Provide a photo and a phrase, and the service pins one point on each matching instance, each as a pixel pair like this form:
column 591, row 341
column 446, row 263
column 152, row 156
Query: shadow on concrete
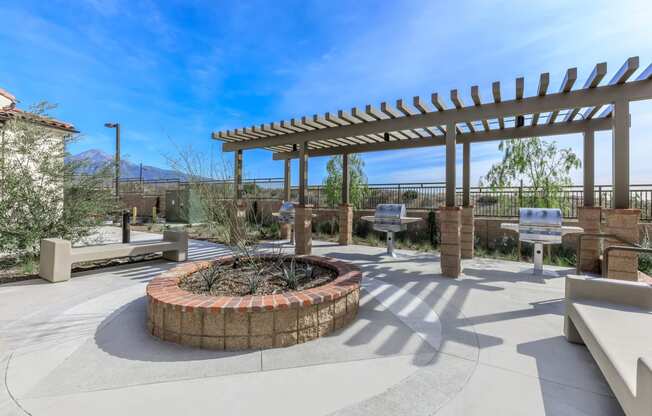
column 124, row 334
column 567, row 368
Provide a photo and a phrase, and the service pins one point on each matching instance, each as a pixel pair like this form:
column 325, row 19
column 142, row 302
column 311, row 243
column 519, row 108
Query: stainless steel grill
column 390, row 218
column 286, row 213
column 540, row 226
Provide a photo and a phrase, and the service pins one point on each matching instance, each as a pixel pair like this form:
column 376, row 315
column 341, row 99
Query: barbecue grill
column 390, row 218
column 285, row 215
column 540, row 226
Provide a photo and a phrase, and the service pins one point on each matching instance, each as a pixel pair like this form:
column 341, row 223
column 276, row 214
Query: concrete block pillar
column 346, row 224
column 624, row 224
column 467, row 231
column 450, row 220
column 589, row 219
column 303, row 229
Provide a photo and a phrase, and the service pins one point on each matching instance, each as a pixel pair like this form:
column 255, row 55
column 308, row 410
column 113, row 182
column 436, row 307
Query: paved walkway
column 487, row 343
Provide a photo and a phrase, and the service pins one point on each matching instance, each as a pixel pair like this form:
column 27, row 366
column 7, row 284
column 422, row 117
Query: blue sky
column 172, row 72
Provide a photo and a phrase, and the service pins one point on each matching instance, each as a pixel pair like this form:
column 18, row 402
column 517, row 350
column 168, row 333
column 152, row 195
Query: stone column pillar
column 302, row 229
column 346, row 224
column 286, row 229
column 624, row 224
column 450, row 220
column 589, row 219
column 467, row 232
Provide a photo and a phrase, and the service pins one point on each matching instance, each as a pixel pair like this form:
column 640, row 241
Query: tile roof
column 9, row 113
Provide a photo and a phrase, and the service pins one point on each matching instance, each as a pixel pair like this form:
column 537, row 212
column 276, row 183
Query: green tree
column 539, row 164
column 41, row 196
column 357, row 181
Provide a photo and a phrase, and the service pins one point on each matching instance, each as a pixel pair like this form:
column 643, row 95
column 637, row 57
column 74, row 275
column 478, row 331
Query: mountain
column 96, row 159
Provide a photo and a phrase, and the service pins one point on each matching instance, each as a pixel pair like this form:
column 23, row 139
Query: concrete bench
column 613, row 318
column 58, row 256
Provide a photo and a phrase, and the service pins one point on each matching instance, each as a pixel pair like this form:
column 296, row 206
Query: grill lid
column 543, row 217
column 286, row 212
column 389, row 211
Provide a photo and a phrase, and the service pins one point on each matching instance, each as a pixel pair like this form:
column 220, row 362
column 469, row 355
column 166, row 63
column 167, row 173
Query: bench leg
column 571, row 332
column 644, row 386
column 55, row 262
column 181, row 238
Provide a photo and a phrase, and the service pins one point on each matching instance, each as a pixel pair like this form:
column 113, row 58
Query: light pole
column 116, row 126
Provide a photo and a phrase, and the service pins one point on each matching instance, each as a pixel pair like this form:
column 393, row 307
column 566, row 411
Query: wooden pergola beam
column 479, row 136
column 631, row 91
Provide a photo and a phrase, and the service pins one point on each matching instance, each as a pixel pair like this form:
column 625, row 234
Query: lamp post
column 116, row 126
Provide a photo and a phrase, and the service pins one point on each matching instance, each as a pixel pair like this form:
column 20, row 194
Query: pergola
column 591, row 107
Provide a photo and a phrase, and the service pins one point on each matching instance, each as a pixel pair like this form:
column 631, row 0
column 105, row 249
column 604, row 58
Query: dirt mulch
column 234, row 279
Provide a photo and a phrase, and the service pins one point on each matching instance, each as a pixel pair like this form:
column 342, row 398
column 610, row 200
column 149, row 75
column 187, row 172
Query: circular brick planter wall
column 247, row 322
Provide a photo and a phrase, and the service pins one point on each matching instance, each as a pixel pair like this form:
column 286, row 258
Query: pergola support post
column 346, row 209
column 621, row 220
column 238, row 211
column 303, row 211
column 286, row 229
column 589, row 216
column 467, row 237
column 450, row 215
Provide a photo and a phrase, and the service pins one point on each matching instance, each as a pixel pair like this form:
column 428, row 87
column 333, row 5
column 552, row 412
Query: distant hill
column 97, row 159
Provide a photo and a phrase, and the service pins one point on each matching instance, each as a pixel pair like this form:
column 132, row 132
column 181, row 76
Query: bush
column 40, row 194
column 506, row 245
column 409, row 196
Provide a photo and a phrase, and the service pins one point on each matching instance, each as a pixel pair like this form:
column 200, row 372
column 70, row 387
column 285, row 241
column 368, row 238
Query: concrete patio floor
column 487, row 343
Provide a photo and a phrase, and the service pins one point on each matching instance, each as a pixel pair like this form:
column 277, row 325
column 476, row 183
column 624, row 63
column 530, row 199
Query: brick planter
column 251, row 322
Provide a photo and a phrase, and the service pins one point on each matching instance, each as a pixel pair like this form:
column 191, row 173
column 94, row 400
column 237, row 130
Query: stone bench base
column 58, row 255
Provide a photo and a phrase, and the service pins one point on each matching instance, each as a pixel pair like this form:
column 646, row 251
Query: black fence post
column 126, row 230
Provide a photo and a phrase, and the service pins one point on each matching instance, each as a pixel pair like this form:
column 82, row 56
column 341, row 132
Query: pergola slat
column 599, row 96
column 343, row 115
column 646, row 74
column 388, row 110
column 372, row 112
column 629, row 67
column 592, row 81
column 358, row 114
column 519, row 90
column 475, row 96
column 251, row 130
column 457, row 102
column 403, row 108
column 477, row 137
column 424, row 109
column 495, row 89
column 302, row 128
column 385, row 108
column 316, row 126
column 566, row 86
column 337, row 121
column 260, row 130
